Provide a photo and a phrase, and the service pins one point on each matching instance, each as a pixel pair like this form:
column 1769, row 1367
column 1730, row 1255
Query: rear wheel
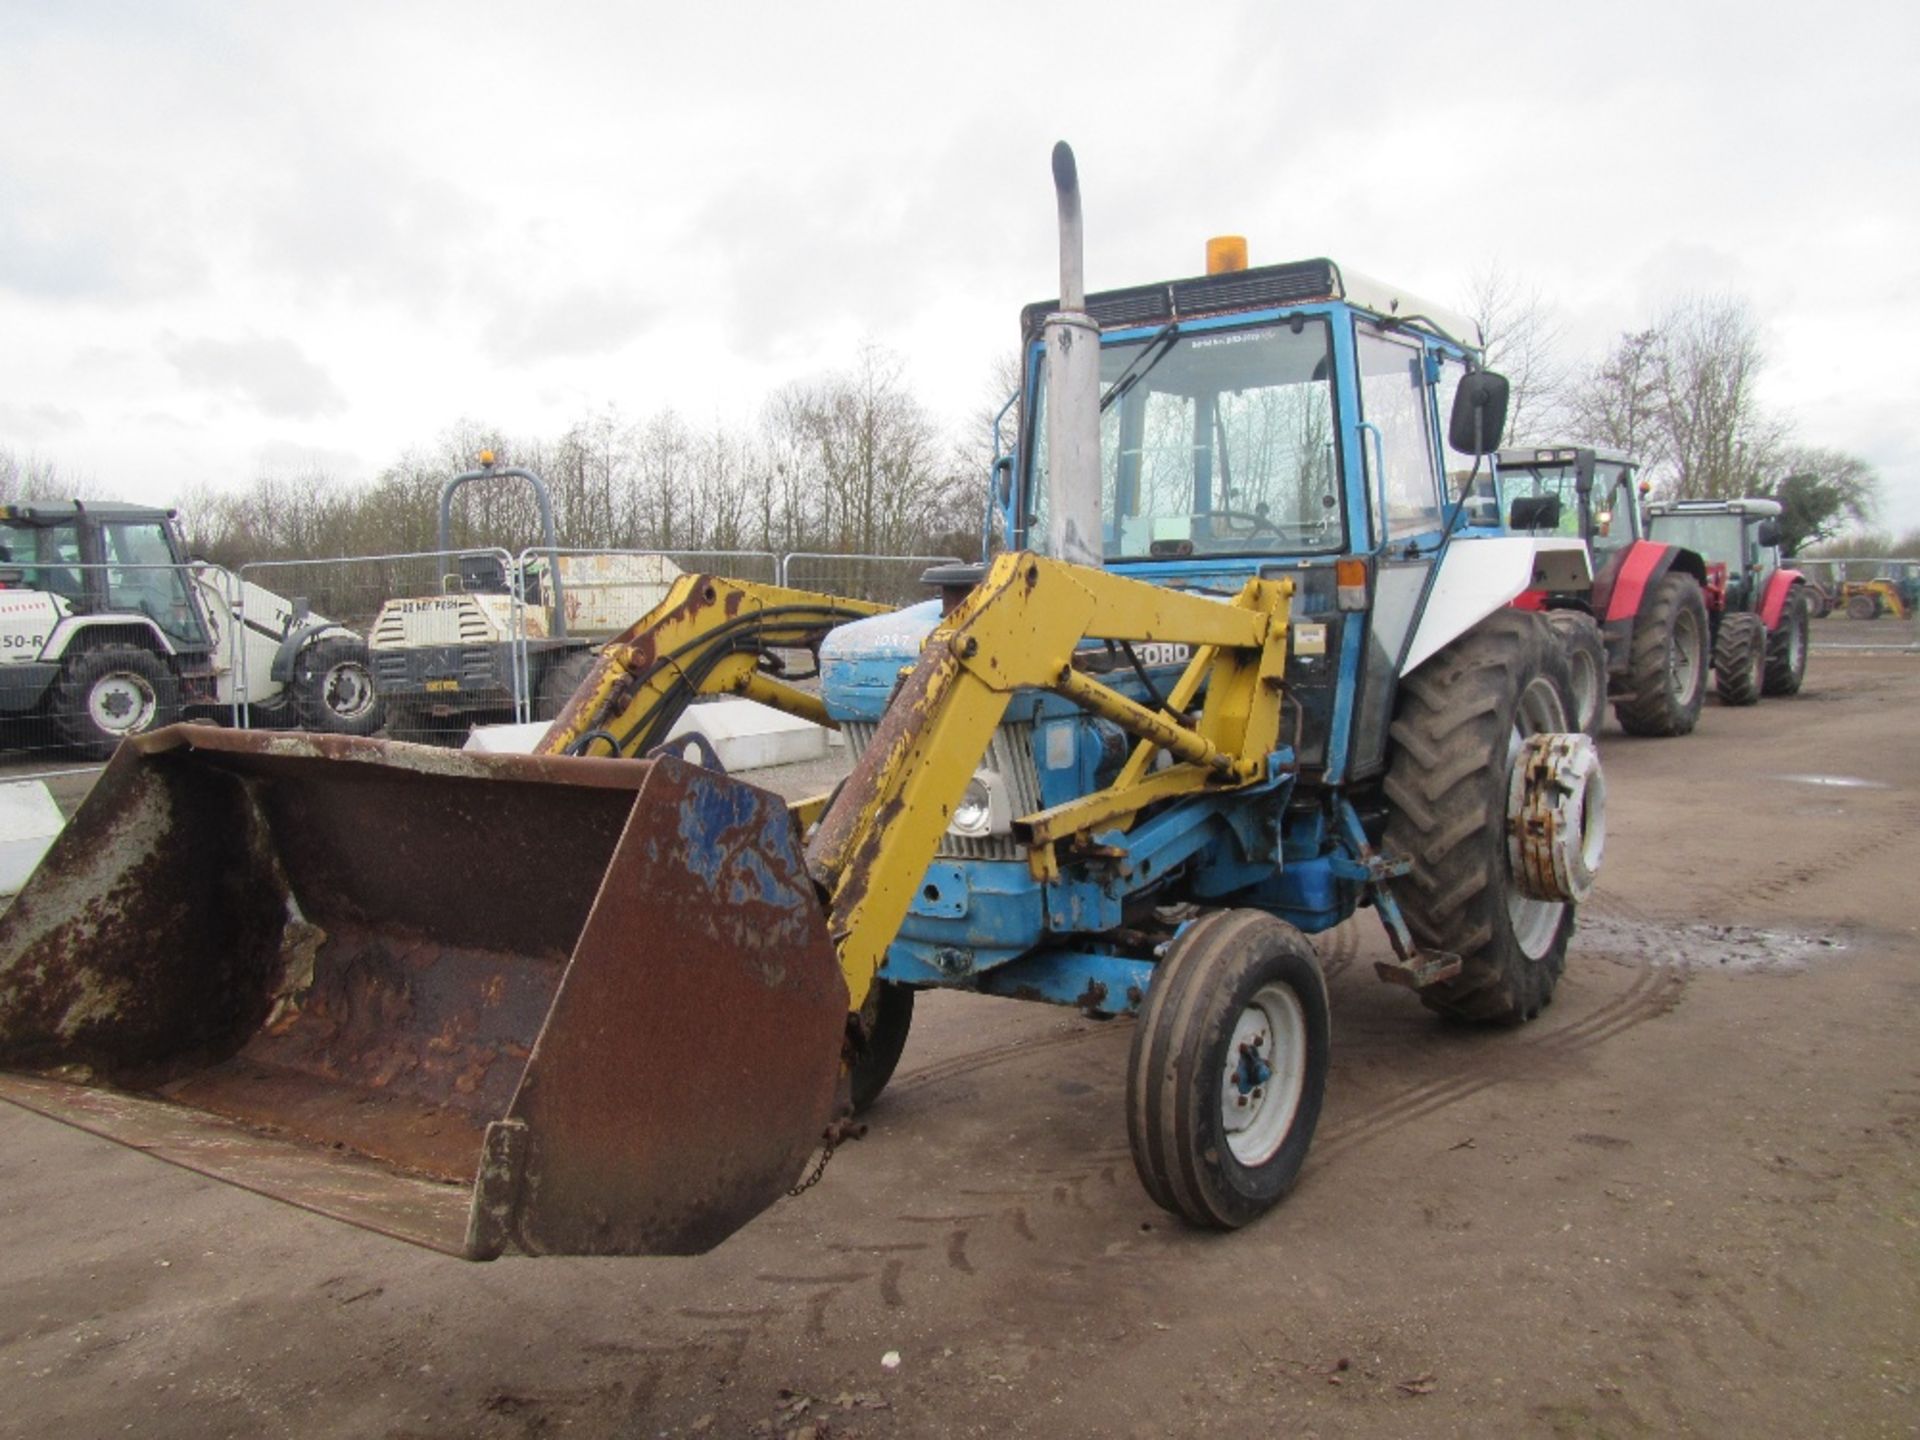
column 1740, row 659
column 1586, row 652
column 562, row 678
column 1228, row 1068
column 886, row 1017
column 333, row 690
column 108, row 692
column 1864, row 607
column 1787, row 646
column 1667, row 661
column 1459, row 728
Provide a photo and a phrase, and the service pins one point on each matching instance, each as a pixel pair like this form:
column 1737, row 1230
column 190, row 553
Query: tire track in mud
column 1654, row 991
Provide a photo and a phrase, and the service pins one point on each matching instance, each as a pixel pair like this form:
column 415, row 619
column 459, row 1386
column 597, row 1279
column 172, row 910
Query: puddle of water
column 1735, row 948
column 1841, row 782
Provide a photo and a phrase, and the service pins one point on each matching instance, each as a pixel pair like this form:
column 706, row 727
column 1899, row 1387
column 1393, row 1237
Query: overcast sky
column 268, row 236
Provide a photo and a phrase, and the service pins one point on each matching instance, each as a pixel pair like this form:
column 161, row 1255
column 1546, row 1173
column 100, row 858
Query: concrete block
column 745, row 735
column 29, row 821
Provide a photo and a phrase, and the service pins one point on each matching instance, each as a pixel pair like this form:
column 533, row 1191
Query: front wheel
column 109, row 692
column 1586, row 652
column 1787, row 646
column 1228, row 1068
column 885, row 1020
column 1667, row 660
column 1740, row 659
column 333, row 691
column 1864, row 607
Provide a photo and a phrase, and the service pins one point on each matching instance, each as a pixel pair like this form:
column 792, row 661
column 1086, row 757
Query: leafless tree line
column 850, row 462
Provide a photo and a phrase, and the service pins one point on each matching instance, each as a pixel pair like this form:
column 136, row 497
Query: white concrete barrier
column 29, row 821
column 745, row 735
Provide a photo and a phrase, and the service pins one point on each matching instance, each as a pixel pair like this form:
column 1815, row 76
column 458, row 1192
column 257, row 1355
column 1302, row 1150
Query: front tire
column 1787, row 647
column 1740, row 659
column 562, row 678
column 888, row 1016
column 1586, row 652
column 1459, row 726
column 333, row 690
column 1667, row 660
column 1228, row 1068
column 109, row 692
column 1864, row 607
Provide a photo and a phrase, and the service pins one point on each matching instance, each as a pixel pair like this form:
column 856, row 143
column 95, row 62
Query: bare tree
column 1520, row 339
column 1617, row 403
column 1709, row 362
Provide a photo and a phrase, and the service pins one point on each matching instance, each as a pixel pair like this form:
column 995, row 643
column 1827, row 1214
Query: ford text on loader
column 1238, row 671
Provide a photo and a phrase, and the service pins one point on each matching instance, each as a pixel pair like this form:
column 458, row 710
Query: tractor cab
column 98, row 559
column 1289, row 420
column 1742, row 535
column 1573, row 491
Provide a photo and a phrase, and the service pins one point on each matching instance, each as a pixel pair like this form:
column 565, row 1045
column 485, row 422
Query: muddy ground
column 1687, row 1200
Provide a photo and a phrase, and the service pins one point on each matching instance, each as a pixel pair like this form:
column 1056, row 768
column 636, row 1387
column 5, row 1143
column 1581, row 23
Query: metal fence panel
column 886, row 579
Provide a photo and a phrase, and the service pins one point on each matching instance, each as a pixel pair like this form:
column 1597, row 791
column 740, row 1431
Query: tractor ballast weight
column 553, row 1005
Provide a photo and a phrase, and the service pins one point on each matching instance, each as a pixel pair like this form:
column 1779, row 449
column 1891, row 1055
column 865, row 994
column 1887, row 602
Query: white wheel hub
column 1265, row 1075
column 1556, row 817
column 122, row 703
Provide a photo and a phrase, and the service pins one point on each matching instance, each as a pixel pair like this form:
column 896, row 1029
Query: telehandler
column 1236, row 670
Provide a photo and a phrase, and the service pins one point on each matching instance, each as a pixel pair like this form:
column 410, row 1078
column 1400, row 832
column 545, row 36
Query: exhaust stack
column 1073, row 389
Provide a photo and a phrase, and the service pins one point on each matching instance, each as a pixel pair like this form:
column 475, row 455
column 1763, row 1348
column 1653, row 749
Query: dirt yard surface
column 1685, row 1201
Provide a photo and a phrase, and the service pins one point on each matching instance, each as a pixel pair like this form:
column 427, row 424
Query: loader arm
column 706, row 637
column 1021, row 628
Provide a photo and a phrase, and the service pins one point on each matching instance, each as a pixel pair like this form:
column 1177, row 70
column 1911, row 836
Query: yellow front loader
column 560, row 1004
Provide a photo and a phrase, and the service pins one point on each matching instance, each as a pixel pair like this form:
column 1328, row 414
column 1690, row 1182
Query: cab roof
column 1518, row 457
column 1266, row 287
column 54, row 512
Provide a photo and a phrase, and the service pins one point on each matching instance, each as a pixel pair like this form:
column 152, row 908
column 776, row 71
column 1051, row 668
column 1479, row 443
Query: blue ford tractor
column 1242, row 662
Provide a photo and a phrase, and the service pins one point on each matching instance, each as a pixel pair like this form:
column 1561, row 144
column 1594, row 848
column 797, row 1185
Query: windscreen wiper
column 1162, row 342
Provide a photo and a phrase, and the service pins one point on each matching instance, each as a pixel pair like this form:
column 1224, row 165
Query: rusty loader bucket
column 482, row 1003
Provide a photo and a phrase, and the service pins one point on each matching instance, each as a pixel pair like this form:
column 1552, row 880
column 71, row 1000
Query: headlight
column 983, row 809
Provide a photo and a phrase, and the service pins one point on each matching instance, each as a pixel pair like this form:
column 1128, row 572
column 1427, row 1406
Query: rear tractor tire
column 1460, row 726
column 1228, row 1068
column 1787, row 646
column 1586, row 652
column 1667, row 660
column 109, row 692
column 1740, row 659
column 333, row 691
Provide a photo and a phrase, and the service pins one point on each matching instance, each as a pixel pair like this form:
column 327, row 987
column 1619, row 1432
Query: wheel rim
column 1683, row 658
column 1265, row 1075
column 1796, row 640
column 1534, row 922
column 348, row 691
column 122, row 703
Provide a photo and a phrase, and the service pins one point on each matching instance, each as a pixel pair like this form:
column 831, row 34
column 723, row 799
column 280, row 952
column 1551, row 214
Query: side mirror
column 1479, row 413
column 1534, row 512
column 1769, row 533
column 1003, row 478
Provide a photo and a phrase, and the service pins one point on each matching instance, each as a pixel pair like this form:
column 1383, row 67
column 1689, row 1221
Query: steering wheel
column 1258, row 522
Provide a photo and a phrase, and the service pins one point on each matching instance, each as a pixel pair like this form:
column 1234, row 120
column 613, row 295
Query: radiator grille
column 1011, row 757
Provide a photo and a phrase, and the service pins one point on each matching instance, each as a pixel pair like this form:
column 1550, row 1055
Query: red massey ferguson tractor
column 1758, row 607
column 1642, row 636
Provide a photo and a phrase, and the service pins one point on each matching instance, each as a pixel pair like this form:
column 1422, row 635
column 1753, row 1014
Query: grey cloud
column 580, row 322
column 267, row 372
column 33, row 423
